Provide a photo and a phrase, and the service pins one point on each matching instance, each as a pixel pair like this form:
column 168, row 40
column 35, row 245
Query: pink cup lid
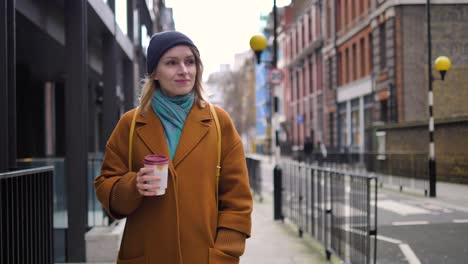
column 156, row 159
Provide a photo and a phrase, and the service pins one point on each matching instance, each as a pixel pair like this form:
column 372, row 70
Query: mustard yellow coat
column 180, row 226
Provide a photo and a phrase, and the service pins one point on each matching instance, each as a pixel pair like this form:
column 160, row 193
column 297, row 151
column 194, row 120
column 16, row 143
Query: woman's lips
column 182, row 81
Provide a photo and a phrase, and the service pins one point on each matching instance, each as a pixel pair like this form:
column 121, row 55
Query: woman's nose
column 183, row 68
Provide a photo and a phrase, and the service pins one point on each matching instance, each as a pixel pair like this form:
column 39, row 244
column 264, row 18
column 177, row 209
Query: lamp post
column 442, row 64
column 258, row 43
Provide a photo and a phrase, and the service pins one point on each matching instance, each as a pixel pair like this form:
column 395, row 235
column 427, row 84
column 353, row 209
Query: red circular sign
column 275, row 76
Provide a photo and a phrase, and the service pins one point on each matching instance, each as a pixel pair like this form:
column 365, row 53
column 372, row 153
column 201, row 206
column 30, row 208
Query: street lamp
column 258, row 43
column 442, row 64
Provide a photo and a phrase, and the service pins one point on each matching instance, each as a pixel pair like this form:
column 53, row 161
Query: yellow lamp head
column 442, row 64
column 258, row 42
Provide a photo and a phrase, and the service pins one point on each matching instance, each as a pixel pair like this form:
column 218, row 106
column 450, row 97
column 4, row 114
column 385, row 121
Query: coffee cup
column 159, row 164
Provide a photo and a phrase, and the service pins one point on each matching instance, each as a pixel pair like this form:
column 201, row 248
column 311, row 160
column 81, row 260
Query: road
column 412, row 228
column 420, row 230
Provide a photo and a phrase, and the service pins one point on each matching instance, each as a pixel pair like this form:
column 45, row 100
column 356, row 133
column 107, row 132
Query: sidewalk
column 452, row 194
column 274, row 242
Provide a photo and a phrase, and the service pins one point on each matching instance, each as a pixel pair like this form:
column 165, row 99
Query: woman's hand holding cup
column 147, row 183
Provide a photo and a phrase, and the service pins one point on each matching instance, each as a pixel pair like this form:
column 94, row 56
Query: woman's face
column 176, row 71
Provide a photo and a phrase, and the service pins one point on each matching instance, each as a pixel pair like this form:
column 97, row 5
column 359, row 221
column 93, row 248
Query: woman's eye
column 190, row 62
column 170, row 62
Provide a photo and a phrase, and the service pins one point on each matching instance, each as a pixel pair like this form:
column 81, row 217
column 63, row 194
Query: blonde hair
column 150, row 85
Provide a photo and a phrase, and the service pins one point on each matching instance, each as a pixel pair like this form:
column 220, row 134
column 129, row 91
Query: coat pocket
column 216, row 256
column 138, row 260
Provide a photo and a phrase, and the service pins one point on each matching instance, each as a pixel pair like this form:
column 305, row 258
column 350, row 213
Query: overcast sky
column 219, row 28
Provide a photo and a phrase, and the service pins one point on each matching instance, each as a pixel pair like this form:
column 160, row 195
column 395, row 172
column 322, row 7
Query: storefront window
column 342, row 125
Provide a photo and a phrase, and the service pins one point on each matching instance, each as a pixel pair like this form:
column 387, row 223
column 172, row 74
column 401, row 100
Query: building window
column 346, row 8
column 311, row 114
column 291, row 114
column 291, row 45
column 303, row 33
column 384, row 110
column 362, row 58
column 382, row 46
column 342, row 125
column 292, row 138
column 297, row 42
column 354, row 63
column 340, row 69
column 298, row 105
column 337, row 18
column 309, row 18
column 297, row 84
column 355, row 123
column 331, row 130
column 330, row 73
column 291, row 85
column 304, row 79
column 370, row 53
column 347, row 66
column 311, row 79
column 368, row 106
column 320, row 116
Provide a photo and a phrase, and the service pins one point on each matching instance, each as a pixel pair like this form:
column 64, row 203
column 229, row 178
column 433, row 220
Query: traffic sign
column 300, row 119
column 275, row 76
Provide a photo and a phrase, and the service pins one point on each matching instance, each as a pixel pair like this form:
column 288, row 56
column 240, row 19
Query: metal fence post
column 277, row 192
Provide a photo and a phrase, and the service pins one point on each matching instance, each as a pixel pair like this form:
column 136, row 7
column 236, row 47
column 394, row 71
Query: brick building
column 304, row 96
column 355, row 67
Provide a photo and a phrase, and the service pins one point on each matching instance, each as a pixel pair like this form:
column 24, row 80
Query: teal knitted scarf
column 172, row 111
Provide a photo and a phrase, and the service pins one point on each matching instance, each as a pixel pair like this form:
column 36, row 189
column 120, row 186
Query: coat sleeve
column 234, row 194
column 116, row 186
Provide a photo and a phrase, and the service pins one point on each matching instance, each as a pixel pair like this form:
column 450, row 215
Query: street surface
column 412, row 228
column 416, row 230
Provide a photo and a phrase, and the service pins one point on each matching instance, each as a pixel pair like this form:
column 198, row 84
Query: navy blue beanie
column 160, row 43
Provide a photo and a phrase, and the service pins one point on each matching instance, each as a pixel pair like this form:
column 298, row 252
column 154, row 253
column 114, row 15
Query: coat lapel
column 151, row 133
column 196, row 126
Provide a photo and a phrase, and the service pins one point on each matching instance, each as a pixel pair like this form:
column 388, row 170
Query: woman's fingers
column 147, row 189
column 148, row 178
column 146, row 183
column 145, row 170
column 146, row 186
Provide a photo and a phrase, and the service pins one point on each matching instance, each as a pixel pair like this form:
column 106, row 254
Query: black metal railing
column 332, row 206
column 400, row 170
column 26, row 216
column 255, row 176
column 96, row 215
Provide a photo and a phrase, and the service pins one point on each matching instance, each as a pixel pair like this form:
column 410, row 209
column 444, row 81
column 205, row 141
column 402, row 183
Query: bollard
column 277, row 192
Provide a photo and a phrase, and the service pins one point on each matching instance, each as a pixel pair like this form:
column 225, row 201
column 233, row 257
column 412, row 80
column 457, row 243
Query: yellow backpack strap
column 130, row 142
column 218, row 165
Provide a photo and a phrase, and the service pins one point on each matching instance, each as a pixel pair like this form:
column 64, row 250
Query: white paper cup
column 160, row 165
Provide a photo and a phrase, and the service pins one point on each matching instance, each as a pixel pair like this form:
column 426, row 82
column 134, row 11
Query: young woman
column 195, row 221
